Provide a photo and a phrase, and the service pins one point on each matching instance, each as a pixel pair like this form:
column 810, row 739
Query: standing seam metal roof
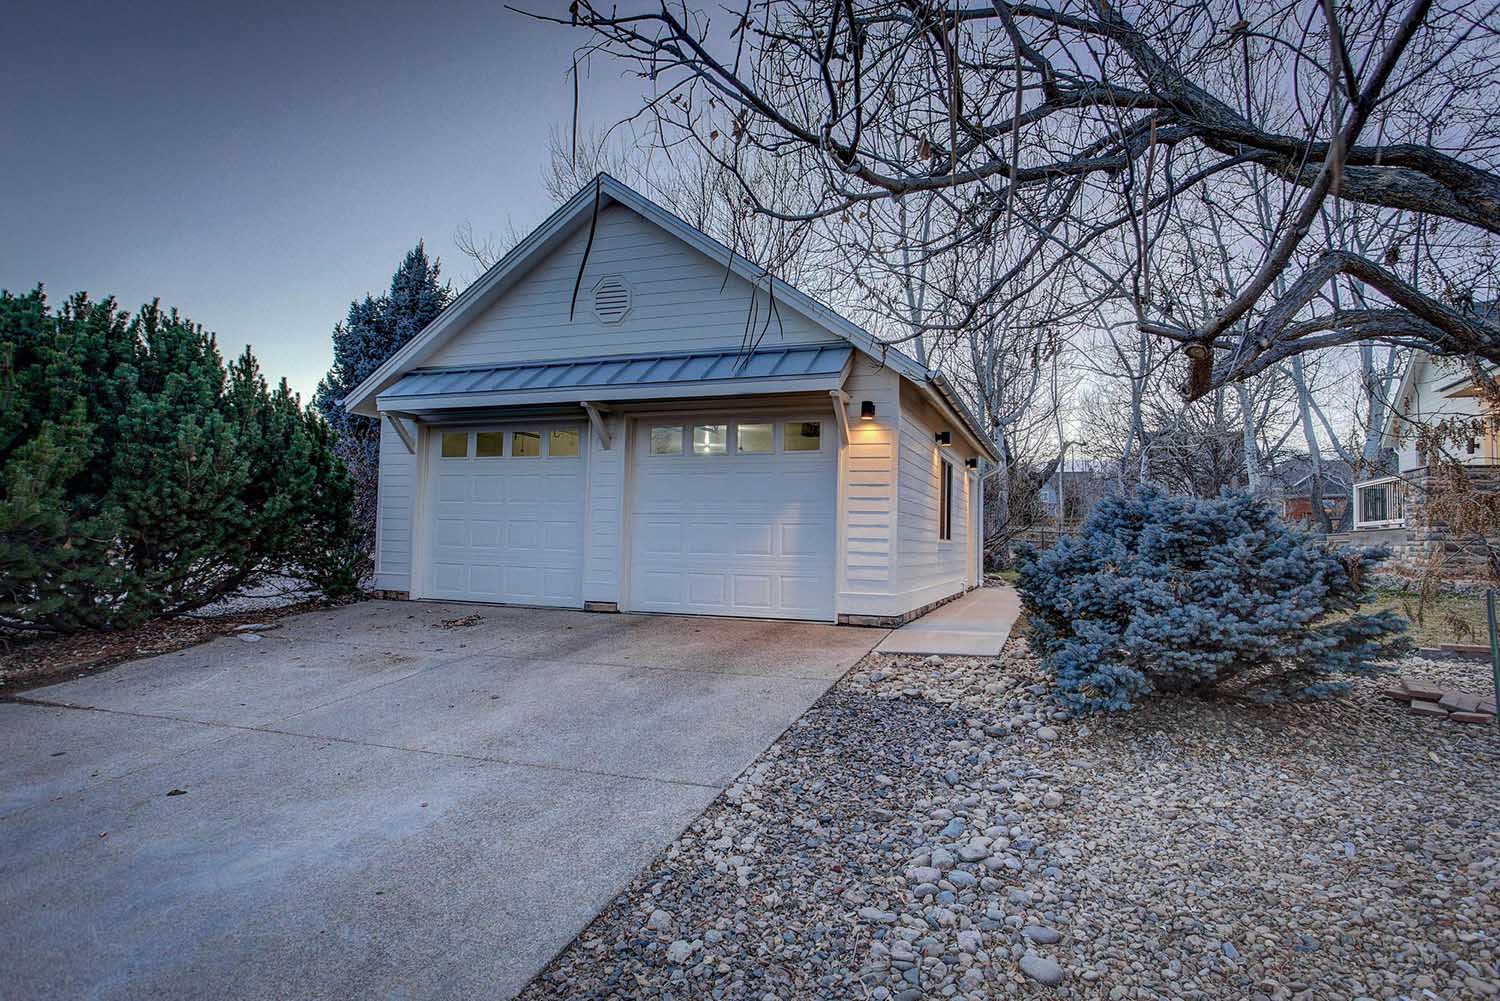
column 632, row 370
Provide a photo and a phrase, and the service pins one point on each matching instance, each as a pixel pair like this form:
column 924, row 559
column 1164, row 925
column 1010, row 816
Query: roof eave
column 361, row 400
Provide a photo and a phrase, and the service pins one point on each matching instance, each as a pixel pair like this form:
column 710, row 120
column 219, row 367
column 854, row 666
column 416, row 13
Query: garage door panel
column 523, row 581
column 557, row 584
column 484, row 579
column 731, row 534
column 524, row 488
column 707, row 588
column 658, row 538
column 752, row 591
column 657, row 587
column 486, row 534
column 803, row 539
column 802, row 592
column 709, row 538
column 488, row 489
column 753, row 540
column 450, row 576
column 562, row 538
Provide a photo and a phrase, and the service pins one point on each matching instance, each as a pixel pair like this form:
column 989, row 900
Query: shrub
column 1170, row 594
column 140, row 476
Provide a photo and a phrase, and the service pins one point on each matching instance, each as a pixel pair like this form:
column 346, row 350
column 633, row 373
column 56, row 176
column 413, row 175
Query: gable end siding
column 680, row 301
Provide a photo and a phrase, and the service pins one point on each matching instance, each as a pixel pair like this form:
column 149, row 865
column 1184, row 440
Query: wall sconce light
column 943, row 438
column 867, row 410
column 971, row 463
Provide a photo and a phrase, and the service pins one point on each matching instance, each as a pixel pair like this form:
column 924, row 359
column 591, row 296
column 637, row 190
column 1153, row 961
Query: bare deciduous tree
column 1058, row 127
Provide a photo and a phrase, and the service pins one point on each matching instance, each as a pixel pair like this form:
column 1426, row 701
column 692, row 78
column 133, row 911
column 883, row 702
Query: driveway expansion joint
column 457, row 755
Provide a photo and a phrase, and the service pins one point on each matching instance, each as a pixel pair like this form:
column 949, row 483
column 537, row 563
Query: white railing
column 1380, row 503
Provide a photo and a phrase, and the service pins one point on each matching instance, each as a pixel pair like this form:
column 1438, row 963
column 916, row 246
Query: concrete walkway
column 975, row 625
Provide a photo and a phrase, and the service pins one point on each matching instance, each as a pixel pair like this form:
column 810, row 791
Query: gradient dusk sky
column 260, row 165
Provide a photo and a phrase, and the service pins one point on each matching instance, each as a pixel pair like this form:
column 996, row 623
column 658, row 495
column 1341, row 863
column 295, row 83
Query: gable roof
column 577, row 212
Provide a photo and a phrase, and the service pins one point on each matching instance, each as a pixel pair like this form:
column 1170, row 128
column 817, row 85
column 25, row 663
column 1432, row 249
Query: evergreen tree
column 140, row 477
column 1173, row 594
column 373, row 330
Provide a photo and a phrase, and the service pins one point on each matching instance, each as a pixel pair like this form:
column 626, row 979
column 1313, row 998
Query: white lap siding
column 397, row 488
column 928, row 568
column 869, row 492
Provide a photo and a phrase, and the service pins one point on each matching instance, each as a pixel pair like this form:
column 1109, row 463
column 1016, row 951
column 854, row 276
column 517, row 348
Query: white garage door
column 505, row 520
column 734, row 517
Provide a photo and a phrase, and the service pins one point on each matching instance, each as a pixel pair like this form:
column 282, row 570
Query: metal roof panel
column 630, row 370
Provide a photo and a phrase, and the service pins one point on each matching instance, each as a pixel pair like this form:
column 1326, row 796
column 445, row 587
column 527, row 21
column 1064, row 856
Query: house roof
column 618, row 377
column 577, row 212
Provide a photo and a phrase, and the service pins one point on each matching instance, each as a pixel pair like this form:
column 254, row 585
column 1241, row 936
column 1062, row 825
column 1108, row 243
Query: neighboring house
column 1071, row 493
column 1291, row 482
column 689, row 437
column 1433, row 389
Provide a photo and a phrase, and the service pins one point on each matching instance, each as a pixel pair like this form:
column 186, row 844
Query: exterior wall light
column 971, row 463
column 944, row 439
column 867, row 410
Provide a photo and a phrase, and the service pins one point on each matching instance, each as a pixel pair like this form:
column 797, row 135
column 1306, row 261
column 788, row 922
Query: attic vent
column 611, row 299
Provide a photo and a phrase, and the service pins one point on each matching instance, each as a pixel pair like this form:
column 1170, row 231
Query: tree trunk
column 1254, row 478
column 1314, row 453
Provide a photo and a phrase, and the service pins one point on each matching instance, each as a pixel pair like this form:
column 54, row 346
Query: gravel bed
column 937, row 829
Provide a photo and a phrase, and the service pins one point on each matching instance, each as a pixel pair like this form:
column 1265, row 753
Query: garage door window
column 455, row 444
column 489, row 444
column 526, row 444
column 562, row 444
column 666, row 441
column 803, row 436
column 711, row 439
column 754, row 439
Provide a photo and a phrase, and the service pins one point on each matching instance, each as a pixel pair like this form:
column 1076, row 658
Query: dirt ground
column 29, row 661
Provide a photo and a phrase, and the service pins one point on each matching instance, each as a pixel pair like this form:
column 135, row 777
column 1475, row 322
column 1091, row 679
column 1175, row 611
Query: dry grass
column 1448, row 618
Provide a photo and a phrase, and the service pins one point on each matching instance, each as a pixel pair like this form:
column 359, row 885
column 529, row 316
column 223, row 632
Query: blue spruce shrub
column 1173, row 594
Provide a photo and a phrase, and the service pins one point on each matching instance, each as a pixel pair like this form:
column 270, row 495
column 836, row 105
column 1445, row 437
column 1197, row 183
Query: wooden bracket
column 840, row 403
column 406, row 436
column 600, row 429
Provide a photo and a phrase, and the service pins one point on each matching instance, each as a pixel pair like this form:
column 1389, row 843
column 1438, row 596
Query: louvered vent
column 611, row 299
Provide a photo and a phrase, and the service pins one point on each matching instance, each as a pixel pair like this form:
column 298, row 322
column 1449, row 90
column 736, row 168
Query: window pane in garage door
column 562, row 444
column 489, row 444
column 526, row 444
column 710, row 439
column 803, row 436
column 455, row 444
column 666, row 441
column 752, row 439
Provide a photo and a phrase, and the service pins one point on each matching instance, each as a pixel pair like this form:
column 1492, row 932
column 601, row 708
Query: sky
column 260, row 165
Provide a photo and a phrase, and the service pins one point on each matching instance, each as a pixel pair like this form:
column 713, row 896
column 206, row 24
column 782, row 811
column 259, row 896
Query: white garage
column 734, row 515
column 624, row 415
column 506, row 514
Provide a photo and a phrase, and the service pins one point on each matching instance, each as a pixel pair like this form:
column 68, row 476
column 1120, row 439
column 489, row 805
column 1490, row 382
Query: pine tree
column 372, row 331
column 1172, row 594
column 140, row 477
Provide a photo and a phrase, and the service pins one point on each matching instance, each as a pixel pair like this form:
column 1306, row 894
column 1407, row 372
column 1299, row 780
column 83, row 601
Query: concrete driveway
column 373, row 805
